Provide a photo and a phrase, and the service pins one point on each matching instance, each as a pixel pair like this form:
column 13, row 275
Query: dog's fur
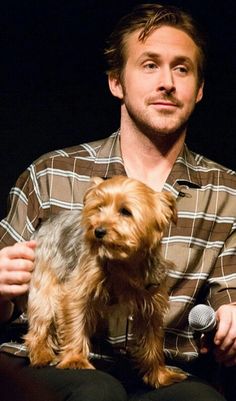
column 110, row 252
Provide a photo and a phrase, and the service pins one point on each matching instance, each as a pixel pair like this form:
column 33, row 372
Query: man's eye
column 182, row 69
column 150, row 66
column 125, row 212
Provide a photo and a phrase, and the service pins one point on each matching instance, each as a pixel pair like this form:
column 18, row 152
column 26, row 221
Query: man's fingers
column 16, row 277
column 12, row 291
column 20, row 250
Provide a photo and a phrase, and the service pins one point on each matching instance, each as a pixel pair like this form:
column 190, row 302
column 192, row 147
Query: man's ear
column 115, row 86
column 200, row 92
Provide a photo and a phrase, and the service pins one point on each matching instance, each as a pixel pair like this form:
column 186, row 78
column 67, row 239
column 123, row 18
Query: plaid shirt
column 202, row 245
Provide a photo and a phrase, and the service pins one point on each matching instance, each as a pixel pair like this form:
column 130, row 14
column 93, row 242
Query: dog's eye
column 125, row 212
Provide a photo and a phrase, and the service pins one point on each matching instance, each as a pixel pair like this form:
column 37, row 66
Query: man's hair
column 147, row 18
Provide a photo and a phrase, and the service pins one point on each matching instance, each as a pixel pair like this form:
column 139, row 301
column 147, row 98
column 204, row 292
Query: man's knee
column 102, row 387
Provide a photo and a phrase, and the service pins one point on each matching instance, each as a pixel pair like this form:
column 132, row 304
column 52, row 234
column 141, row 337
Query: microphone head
column 202, row 318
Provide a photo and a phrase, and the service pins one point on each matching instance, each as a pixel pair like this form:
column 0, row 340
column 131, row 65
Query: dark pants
column 20, row 382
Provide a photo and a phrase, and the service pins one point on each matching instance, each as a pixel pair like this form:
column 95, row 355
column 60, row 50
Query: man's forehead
column 161, row 36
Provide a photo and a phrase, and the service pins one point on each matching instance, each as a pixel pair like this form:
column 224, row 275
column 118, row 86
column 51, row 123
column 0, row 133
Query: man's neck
column 148, row 160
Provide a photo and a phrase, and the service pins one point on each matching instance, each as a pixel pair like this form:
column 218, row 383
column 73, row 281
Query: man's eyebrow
column 149, row 55
column 157, row 56
column 183, row 59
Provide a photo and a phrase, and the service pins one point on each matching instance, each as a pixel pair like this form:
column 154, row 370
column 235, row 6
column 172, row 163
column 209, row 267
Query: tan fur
column 84, row 261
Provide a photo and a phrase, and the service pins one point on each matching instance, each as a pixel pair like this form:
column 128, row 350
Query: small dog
column 87, row 261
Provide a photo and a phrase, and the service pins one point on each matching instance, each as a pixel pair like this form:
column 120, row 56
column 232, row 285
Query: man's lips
column 168, row 104
column 165, row 103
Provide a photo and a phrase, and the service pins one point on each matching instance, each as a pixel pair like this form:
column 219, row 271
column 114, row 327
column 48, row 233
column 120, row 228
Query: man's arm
column 222, row 297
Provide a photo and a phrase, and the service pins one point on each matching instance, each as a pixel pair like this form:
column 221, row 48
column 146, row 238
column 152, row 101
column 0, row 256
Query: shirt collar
column 184, row 173
column 108, row 161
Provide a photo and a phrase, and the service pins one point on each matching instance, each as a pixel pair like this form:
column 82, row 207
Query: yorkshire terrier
column 88, row 261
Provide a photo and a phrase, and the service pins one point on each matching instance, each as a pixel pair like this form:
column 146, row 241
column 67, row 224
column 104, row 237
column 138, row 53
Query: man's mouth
column 165, row 102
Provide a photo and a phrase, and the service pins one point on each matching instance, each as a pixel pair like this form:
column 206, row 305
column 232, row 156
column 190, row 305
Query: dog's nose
column 100, row 232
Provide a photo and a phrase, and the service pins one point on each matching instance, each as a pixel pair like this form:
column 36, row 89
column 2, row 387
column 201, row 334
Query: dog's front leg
column 150, row 355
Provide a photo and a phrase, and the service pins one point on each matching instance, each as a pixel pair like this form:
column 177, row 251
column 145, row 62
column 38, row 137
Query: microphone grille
column 202, row 318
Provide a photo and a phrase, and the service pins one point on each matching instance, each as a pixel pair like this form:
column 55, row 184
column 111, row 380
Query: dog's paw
column 41, row 357
column 163, row 377
column 74, row 362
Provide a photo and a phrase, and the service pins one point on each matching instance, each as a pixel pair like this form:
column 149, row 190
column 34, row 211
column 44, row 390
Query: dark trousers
column 20, row 382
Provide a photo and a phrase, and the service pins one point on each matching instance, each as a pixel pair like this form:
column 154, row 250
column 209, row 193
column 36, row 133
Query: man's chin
column 164, row 131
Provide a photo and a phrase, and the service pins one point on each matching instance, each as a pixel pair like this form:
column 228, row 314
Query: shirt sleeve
column 24, row 205
column 222, row 281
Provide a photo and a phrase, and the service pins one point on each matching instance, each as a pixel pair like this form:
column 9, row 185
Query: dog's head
column 123, row 216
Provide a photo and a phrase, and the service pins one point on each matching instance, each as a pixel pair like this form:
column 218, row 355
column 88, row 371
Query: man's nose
column 166, row 80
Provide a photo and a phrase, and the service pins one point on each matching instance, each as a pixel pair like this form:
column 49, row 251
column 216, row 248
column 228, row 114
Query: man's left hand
column 225, row 338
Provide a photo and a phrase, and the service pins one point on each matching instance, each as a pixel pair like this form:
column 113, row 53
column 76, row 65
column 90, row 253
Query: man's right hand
column 16, row 266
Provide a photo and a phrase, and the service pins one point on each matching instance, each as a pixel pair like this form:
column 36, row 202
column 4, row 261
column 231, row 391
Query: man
column 156, row 69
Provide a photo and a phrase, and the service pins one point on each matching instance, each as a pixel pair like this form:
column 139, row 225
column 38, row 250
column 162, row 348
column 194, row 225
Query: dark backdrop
column 53, row 86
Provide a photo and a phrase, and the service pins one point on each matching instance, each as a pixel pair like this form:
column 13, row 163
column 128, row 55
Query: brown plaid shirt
column 202, row 245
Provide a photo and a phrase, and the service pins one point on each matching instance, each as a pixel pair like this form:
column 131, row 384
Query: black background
column 54, row 90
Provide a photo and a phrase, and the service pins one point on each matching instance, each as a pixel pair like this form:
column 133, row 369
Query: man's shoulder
column 94, row 158
column 203, row 164
column 206, row 162
column 86, row 150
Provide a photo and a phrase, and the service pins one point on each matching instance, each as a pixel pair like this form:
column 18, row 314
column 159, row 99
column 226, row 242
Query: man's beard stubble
column 155, row 132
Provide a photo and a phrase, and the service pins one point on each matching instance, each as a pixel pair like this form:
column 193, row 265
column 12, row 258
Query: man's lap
column 19, row 382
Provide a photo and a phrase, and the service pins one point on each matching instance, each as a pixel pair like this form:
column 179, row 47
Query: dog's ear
column 97, row 180
column 165, row 208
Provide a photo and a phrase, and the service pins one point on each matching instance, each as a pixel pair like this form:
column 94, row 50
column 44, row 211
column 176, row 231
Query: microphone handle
column 205, row 339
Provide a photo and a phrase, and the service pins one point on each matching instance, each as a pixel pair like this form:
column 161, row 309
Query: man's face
column 159, row 86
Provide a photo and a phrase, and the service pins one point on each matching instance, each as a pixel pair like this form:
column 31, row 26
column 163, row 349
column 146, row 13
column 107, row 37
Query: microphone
column 202, row 318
